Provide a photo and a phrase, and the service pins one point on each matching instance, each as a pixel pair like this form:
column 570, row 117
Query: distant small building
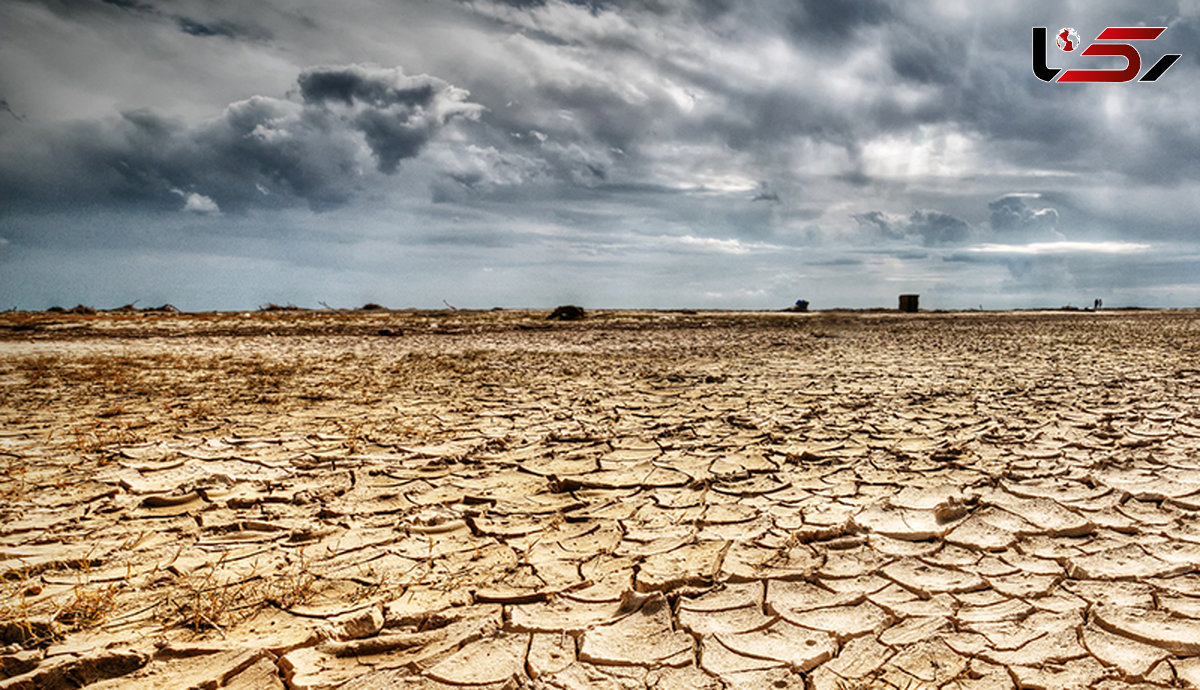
column 908, row 303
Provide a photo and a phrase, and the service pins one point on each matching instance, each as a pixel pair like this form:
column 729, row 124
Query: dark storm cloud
column 593, row 85
column 975, row 74
column 759, row 114
column 594, row 126
column 920, row 55
column 195, row 28
column 262, row 151
column 396, row 113
column 218, row 28
column 974, row 69
column 380, row 88
column 931, row 228
column 1012, row 214
column 834, row 21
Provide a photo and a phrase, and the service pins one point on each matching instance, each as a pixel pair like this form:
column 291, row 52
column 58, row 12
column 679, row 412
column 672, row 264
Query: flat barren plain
column 319, row 499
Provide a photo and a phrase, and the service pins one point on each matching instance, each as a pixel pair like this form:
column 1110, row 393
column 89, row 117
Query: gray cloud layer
column 795, row 141
column 929, row 227
column 260, row 151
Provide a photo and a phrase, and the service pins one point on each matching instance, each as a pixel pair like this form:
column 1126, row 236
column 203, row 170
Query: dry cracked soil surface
column 636, row 500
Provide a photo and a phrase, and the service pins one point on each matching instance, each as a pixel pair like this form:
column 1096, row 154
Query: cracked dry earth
column 662, row 500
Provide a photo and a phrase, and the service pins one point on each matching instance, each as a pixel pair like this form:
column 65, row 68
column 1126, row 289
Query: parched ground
column 639, row 499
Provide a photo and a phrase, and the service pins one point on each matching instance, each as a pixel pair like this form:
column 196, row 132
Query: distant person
column 1097, row 304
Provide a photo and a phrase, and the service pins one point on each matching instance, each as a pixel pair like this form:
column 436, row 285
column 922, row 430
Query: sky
column 217, row 154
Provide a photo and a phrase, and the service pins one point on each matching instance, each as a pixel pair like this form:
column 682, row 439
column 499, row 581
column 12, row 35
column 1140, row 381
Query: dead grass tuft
column 205, row 602
column 296, row 585
column 87, row 607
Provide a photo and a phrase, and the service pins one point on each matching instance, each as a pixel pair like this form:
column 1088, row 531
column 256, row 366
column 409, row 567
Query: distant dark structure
column 567, row 312
column 908, row 303
column 800, row 305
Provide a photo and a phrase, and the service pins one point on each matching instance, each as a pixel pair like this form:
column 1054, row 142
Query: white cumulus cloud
column 197, row 203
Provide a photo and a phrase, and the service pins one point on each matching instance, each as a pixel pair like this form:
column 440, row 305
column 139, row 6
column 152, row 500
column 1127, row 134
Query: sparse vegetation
column 86, row 607
column 213, row 598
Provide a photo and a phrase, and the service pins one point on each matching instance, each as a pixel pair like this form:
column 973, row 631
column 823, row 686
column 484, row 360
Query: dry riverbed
column 639, row 499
